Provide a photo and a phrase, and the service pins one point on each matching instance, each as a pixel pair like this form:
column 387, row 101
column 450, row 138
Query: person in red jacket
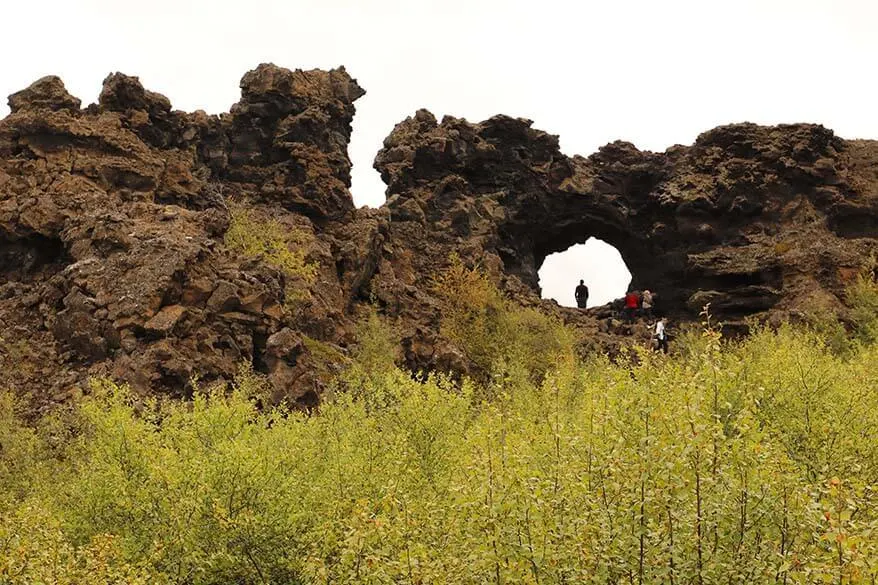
column 632, row 303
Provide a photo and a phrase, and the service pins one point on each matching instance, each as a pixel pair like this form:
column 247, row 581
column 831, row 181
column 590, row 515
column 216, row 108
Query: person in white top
column 661, row 335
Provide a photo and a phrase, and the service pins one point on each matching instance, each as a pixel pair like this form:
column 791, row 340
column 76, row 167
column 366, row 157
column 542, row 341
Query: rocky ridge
column 113, row 218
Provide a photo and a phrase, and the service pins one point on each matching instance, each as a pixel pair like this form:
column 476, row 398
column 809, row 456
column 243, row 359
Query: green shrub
column 23, row 454
column 755, row 462
column 497, row 335
column 862, row 297
column 831, row 329
column 277, row 245
column 843, row 336
column 377, row 343
column 327, row 361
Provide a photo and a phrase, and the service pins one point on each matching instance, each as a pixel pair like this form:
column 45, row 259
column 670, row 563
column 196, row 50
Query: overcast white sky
column 653, row 72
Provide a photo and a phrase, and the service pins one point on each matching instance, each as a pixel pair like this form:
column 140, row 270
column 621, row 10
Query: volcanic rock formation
column 113, row 259
column 749, row 218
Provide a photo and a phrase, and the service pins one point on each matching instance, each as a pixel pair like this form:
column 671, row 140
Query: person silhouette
column 581, row 295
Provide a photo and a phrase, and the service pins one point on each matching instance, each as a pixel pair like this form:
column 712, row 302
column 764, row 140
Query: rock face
column 113, row 220
column 751, row 219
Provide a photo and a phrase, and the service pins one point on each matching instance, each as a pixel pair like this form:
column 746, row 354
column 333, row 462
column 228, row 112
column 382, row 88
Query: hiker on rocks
column 632, row 303
column 581, row 295
column 661, row 334
column 646, row 304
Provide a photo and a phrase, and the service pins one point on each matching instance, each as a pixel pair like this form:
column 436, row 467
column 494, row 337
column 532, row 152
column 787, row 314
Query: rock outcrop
column 754, row 220
column 113, row 224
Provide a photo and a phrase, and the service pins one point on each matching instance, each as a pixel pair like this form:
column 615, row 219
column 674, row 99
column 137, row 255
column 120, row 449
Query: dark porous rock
column 114, row 223
column 165, row 320
column 47, row 93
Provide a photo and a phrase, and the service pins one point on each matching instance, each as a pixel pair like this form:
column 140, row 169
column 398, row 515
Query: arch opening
column 596, row 262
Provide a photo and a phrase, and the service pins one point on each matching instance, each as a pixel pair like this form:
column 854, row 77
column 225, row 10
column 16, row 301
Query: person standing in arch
column 581, row 295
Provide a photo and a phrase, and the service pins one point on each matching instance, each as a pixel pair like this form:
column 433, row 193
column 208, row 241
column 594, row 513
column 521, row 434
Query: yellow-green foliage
column 21, row 450
column 326, row 360
column 752, row 463
column 278, row 246
column 862, row 300
column 494, row 333
column 862, row 296
column 377, row 343
column 37, row 551
column 374, row 355
column 16, row 357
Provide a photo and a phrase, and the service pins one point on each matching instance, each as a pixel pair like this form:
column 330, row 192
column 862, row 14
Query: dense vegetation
column 279, row 246
column 754, row 462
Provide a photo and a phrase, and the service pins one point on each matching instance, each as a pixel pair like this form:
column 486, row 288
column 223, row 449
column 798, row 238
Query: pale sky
column 652, row 72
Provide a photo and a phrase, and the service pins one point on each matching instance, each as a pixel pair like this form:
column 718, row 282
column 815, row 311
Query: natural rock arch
column 114, row 216
column 714, row 222
column 594, row 261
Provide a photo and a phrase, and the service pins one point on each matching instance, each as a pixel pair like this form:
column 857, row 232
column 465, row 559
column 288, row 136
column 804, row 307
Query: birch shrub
column 753, row 463
column 498, row 336
column 278, row 246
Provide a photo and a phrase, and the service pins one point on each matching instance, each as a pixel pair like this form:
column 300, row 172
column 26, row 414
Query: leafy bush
column 277, row 245
column 860, row 326
column 495, row 334
column 377, row 343
column 21, row 453
column 750, row 463
column 862, row 296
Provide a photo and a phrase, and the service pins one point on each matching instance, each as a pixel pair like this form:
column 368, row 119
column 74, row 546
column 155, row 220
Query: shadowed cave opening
column 596, row 262
column 23, row 258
